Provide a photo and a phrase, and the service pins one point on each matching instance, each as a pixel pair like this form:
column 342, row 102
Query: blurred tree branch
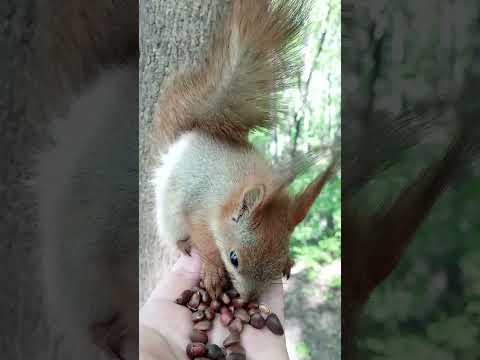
column 304, row 89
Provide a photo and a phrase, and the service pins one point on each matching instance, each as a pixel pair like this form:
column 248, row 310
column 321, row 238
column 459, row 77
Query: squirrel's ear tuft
column 251, row 198
column 302, row 203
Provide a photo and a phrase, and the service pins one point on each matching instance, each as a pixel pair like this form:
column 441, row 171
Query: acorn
column 209, row 314
column 205, row 296
column 238, row 303
column 194, row 301
column 203, row 325
column 236, row 356
column 236, row 326
column 242, row 314
column 196, row 350
column 198, row 316
column 202, row 306
column 236, row 349
column 257, row 321
column 214, row 352
column 198, row 336
column 225, row 299
column 226, row 317
column 253, row 311
column 215, row 305
column 184, row 297
column 233, row 338
column 274, row 325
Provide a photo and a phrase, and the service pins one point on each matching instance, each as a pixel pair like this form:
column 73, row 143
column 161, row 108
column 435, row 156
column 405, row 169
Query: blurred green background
column 406, row 53
column 311, row 122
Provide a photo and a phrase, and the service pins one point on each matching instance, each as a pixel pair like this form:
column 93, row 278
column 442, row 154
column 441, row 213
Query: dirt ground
column 312, row 310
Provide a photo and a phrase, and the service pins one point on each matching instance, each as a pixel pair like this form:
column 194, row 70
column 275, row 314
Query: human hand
column 165, row 326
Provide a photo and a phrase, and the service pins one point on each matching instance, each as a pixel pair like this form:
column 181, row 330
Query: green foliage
column 311, row 122
column 430, row 304
column 303, row 351
column 313, row 110
column 429, row 307
column 335, row 283
column 316, row 240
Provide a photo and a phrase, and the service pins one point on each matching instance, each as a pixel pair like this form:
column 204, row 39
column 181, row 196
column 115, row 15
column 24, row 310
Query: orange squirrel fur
column 214, row 191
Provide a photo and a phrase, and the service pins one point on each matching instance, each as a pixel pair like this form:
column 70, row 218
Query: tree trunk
column 42, row 64
column 172, row 33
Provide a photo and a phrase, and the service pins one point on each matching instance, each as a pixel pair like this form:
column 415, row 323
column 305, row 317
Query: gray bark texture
column 47, row 53
column 172, row 33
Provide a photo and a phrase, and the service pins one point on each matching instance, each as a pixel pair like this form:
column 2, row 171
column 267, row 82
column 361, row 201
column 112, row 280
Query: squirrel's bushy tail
column 253, row 56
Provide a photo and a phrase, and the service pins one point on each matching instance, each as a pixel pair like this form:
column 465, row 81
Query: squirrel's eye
column 234, row 258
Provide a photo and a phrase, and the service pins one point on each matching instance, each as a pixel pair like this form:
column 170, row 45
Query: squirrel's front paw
column 214, row 279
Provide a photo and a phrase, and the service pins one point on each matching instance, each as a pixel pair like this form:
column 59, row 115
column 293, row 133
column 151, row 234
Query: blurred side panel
column 411, row 180
column 69, row 179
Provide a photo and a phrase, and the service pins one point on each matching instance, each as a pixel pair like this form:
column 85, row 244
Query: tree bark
column 172, row 32
column 47, row 54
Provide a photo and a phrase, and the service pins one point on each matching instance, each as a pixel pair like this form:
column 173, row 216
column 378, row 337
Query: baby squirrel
column 213, row 190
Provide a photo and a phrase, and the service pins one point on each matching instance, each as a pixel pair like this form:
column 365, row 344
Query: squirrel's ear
column 302, row 203
column 251, row 198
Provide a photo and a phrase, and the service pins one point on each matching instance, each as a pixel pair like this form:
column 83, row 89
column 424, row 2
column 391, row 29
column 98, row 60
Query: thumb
column 184, row 275
column 273, row 298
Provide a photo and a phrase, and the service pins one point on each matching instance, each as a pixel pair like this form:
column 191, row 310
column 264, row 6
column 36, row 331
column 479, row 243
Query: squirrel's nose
column 250, row 295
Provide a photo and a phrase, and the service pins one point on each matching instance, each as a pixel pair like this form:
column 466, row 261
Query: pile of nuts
column 234, row 312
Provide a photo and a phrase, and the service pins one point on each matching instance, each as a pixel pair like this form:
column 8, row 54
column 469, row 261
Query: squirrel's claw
column 185, row 246
column 288, row 268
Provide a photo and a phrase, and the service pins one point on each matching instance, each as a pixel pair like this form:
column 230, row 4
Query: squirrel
column 213, row 190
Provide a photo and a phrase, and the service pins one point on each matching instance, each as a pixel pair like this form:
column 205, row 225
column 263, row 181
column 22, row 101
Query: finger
column 273, row 298
column 184, row 275
column 167, row 318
